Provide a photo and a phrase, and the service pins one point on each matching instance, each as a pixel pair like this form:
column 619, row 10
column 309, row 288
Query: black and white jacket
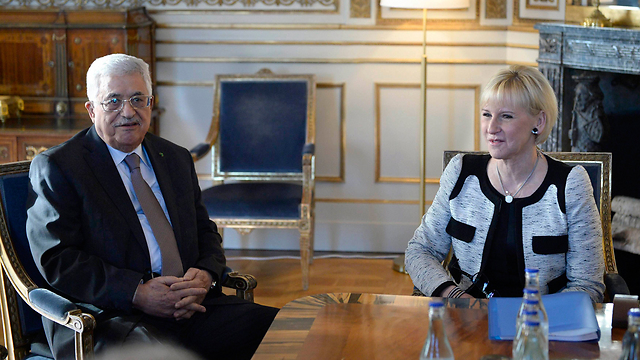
column 559, row 225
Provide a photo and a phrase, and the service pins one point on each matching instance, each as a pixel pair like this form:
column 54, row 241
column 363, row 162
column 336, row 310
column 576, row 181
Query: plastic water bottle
column 529, row 342
column 437, row 345
column 631, row 339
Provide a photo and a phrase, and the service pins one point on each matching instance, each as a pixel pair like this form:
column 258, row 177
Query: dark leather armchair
column 598, row 166
column 25, row 296
column 262, row 141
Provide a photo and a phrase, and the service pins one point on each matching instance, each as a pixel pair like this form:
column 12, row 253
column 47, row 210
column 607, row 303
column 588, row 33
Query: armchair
column 24, row 293
column 598, row 166
column 262, row 137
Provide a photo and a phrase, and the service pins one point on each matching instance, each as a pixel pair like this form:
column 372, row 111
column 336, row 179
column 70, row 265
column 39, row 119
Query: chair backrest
column 598, row 166
column 20, row 272
column 262, row 123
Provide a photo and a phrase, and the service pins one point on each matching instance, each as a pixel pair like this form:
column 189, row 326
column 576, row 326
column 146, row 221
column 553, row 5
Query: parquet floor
column 280, row 280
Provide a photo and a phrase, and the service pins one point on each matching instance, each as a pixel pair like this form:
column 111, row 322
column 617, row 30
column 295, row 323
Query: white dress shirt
column 150, row 177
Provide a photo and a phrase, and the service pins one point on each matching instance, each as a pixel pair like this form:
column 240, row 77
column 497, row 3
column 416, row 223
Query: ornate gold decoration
column 219, row 4
column 476, row 126
column 496, row 9
column 597, row 18
column 360, row 9
column 10, row 106
column 31, row 151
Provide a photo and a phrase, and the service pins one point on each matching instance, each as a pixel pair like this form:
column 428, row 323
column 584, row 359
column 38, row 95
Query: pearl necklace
column 507, row 196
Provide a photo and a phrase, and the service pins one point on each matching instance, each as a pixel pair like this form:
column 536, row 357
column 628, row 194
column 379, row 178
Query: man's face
column 124, row 129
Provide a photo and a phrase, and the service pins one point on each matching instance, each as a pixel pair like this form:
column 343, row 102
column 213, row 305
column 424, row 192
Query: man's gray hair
column 115, row 65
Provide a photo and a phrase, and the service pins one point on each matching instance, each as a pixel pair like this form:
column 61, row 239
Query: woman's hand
column 448, row 290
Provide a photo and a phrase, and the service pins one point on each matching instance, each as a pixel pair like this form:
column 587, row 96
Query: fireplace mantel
column 565, row 47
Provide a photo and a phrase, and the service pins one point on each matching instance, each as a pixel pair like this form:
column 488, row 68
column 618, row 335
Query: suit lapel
column 162, row 169
column 99, row 160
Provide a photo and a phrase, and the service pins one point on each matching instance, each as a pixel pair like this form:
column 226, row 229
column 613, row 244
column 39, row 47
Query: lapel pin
column 162, row 154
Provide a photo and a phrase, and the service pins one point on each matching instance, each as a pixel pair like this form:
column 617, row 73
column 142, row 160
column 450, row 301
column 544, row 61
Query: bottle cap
column 531, row 270
column 635, row 312
column 436, row 303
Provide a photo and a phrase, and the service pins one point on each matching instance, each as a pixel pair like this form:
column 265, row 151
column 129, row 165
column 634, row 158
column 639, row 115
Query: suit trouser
column 225, row 331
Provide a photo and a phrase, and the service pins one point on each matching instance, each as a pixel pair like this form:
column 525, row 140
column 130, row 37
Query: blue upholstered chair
column 23, row 291
column 262, row 143
column 598, row 166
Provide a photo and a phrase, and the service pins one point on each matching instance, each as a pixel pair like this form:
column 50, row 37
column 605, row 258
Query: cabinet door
column 86, row 45
column 8, row 149
column 27, row 61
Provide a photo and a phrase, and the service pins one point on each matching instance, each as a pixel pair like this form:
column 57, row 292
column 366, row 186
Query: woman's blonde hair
column 524, row 87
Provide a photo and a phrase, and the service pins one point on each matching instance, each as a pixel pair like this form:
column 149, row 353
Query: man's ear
column 89, row 106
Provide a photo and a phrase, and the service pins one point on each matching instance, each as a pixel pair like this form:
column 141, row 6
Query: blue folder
column 571, row 317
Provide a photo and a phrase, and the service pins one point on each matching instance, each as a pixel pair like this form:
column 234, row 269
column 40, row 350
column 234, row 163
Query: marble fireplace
column 595, row 73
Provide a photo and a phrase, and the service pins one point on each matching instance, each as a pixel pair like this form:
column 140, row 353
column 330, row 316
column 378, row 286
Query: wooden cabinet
column 44, row 57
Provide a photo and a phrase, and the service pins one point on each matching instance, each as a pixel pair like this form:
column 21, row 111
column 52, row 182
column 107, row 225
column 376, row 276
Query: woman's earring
column 534, row 131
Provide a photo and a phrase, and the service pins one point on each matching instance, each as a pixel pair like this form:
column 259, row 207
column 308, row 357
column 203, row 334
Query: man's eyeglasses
column 136, row 101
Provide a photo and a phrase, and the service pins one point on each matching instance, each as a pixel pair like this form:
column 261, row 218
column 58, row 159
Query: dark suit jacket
column 84, row 233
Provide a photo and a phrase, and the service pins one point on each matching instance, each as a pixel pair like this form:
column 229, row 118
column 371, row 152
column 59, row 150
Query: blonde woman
column 512, row 209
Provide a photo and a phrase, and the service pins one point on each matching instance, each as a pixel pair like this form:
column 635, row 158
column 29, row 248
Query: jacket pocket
column 547, row 245
column 460, row 231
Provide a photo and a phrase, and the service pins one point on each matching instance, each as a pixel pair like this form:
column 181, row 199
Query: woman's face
column 507, row 130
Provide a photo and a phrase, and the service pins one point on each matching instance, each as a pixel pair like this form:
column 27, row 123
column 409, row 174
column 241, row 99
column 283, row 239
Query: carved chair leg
column 304, row 259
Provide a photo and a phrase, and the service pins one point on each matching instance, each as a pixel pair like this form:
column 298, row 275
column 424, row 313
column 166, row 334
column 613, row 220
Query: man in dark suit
column 95, row 240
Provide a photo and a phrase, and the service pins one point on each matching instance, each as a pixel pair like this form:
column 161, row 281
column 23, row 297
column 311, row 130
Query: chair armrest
column 61, row 310
column 615, row 284
column 243, row 283
column 51, row 305
column 200, row 150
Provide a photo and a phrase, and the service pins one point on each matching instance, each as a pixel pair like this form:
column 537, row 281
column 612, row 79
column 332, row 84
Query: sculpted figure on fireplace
column 589, row 127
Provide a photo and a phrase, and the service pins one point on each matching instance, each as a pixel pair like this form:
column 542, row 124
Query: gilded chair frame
column 16, row 282
column 305, row 224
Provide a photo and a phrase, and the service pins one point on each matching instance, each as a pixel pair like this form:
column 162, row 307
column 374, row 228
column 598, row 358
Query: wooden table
column 369, row 326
